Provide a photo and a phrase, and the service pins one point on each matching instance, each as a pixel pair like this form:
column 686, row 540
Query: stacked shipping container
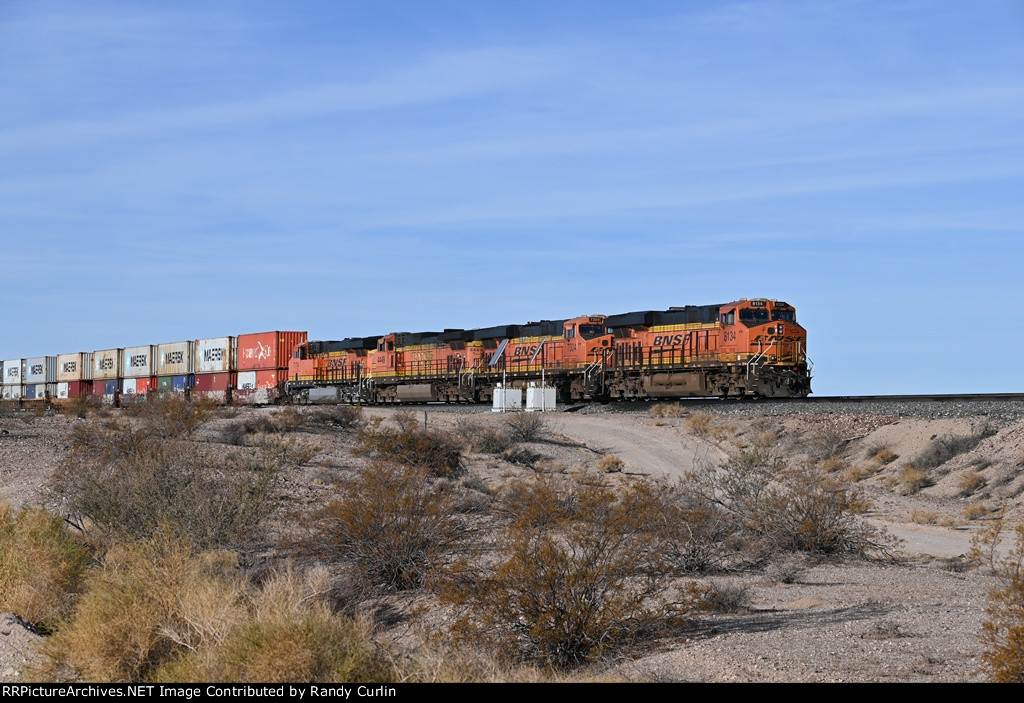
column 263, row 364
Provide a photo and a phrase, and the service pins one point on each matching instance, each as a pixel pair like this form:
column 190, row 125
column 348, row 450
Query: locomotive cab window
column 729, row 318
column 571, row 332
column 591, row 331
column 784, row 315
column 752, row 317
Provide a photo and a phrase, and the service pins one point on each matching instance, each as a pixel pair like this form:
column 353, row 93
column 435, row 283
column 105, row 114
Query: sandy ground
column 915, row 619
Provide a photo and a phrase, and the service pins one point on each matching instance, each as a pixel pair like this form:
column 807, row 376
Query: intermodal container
column 38, row 391
column 39, row 369
column 214, row 386
column 10, row 392
column 74, row 367
column 174, row 359
column 12, row 373
column 138, row 361
column 106, row 365
column 258, row 387
column 176, row 384
column 267, row 350
column 73, row 389
column 215, row 355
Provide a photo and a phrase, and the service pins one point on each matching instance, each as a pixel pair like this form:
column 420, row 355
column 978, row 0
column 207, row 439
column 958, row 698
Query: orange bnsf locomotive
column 749, row 347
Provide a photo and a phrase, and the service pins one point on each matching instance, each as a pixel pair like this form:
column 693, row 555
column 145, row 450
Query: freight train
column 749, row 347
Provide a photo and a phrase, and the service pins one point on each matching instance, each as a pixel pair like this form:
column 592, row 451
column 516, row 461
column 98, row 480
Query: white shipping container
column 507, row 399
column 106, row 364
column 128, row 387
column 10, row 392
column 138, row 362
column 63, row 389
column 12, row 372
column 246, row 380
column 540, row 399
column 74, row 367
column 215, row 354
column 39, row 369
column 174, row 359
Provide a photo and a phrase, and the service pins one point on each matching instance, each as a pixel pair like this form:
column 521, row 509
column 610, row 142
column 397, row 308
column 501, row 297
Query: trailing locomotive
column 750, row 347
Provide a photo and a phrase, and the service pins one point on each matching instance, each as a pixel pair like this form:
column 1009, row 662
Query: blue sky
column 191, row 169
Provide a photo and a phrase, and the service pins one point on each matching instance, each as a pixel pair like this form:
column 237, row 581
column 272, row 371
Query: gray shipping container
column 39, row 369
column 12, row 373
column 175, row 359
column 138, row 362
column 106, row 364
column 216, row 354
column 10, row 392
column 74, row 367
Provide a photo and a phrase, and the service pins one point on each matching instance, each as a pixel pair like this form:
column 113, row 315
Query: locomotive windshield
column 784, row 315
column 755, row 316
column 591, row 331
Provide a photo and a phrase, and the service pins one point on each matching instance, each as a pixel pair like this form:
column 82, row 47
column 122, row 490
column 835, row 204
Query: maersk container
column 215, row 355
column 39, row 369
column 12, row 373
column 174, row 359
column 74, row 367
column 137, row 362
column 11, row 392
column 39, row 391
column 267, row 350
column 106, row 365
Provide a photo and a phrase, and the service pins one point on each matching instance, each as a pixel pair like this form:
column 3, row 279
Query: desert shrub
column 667, row 410
column 485, row 439
column 976, row 511
column 127, row 483
column 970, row 482
column 787, row 569
column 82, row 406
column 526, row 427
column 699, row 424
column 344, row 417
column 1003, row 630
column 168, row 415
column 720, row 597
column 832, row 464
column 826, row 442
column 886, row 456
column 150, row 602
column 436, row 451
column 925, row 517
column 574, row 577
column 289, row 418
column 789, row 509
column 946, row 447
column 289, row 633
column 392, row 524
column 610, row 463
column 41, row 566
column 913, row 478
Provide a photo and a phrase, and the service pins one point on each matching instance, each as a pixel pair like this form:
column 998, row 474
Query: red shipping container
column 267, row 350
column 213, row 386
column 145, row 385
column 77, row 388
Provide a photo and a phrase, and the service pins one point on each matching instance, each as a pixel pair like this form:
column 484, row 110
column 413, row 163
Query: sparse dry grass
column 667, row 410
column 969, row 482
column 41, row 566
column 610, row 463
column 913, row 479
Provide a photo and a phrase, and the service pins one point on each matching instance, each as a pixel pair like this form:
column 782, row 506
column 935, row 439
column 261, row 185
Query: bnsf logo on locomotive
column 667, row 340
column 525, row 351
